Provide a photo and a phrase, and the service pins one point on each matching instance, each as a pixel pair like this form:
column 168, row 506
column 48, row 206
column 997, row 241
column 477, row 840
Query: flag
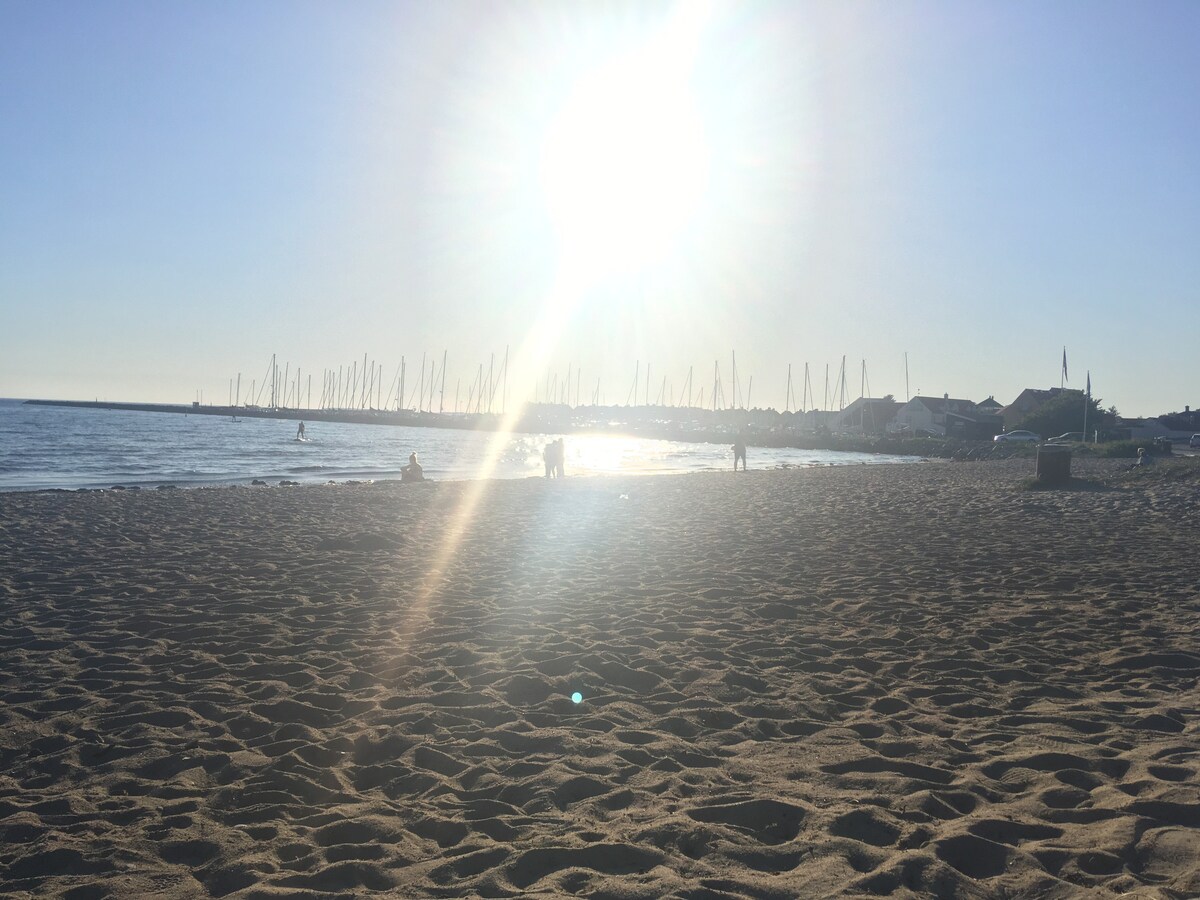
column 1064, row 372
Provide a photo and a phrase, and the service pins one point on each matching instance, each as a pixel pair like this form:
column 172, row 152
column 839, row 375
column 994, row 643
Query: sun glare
column 624, row 164
column 623, row 167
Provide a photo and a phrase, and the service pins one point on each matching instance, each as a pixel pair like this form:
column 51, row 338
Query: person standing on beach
column 548, row 458
column 739, row 452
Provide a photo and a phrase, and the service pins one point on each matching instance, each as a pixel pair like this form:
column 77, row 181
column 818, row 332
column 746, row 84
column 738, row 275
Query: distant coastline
column 663, row 423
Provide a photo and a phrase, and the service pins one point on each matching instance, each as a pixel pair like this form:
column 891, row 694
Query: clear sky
column 187, row 188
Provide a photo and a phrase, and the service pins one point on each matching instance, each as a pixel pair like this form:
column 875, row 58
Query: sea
column 72, row 448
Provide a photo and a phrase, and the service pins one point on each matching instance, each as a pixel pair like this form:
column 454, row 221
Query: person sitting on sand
column 413, row 471
column 739, row 452
column 1144, row 458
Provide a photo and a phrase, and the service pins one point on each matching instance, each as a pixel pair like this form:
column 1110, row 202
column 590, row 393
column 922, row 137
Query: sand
column 892, row 680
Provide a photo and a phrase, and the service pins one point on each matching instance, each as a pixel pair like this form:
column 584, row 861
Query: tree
column 1064, row 413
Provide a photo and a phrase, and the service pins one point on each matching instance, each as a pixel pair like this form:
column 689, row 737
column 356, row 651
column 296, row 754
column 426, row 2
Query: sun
column 624, row 164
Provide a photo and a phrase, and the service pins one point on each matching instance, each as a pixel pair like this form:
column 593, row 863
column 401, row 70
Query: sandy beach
column 900, row 681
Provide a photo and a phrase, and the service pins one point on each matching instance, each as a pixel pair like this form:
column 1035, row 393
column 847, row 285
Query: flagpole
column 1087, row 401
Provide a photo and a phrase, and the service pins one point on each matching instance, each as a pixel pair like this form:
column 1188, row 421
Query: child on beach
column 413, row 471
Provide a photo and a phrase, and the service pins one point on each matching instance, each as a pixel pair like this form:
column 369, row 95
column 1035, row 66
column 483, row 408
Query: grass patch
column 1129, row 449
column 1184, row 470
column 1033, row 483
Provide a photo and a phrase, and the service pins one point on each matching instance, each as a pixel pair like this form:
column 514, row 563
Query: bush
column 1063, row 413
column 1126, row 449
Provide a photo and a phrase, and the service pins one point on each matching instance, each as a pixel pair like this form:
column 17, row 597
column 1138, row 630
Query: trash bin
column 1053, row 463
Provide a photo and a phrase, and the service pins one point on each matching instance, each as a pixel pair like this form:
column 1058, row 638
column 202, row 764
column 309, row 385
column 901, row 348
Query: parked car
column 1026, row 436
column 1068, row 437
column 1195, row 441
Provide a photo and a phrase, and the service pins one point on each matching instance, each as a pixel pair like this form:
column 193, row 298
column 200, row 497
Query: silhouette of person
column 300, row 432
column 739, row 452
column 548, row 454
column 413, row 471
column 560, row 458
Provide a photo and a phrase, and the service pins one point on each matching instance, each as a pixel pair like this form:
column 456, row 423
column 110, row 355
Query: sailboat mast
column 843, row 379
column 491, row 383
column 421, row 386
column 442, row 395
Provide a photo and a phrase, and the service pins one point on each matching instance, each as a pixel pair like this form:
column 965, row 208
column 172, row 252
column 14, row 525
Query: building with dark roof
column 947, row 417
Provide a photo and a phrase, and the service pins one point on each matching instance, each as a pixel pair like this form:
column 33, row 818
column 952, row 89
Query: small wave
column 296, row 470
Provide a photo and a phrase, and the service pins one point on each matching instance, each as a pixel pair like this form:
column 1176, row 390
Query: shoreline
column 275, row 482
column 827, row 682
column 152, row 485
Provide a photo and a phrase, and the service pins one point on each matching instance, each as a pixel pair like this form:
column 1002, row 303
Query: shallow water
column 68, row 447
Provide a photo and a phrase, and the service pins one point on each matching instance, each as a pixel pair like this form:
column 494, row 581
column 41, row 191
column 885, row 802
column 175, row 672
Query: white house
column 928, row 414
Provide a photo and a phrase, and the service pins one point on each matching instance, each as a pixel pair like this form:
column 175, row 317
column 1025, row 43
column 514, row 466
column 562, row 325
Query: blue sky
column 188, row 188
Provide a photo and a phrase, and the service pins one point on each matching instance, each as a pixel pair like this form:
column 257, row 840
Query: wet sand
column 888, row 680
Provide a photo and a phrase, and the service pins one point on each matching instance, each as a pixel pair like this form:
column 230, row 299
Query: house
column 1027, row 401
column 945, row 416
column 1152, row 428
column 866, row 415
column 990, row 406
column 1187, row 421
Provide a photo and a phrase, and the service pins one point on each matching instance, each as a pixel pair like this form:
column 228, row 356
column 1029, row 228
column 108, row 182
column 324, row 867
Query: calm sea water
column 64, row 447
